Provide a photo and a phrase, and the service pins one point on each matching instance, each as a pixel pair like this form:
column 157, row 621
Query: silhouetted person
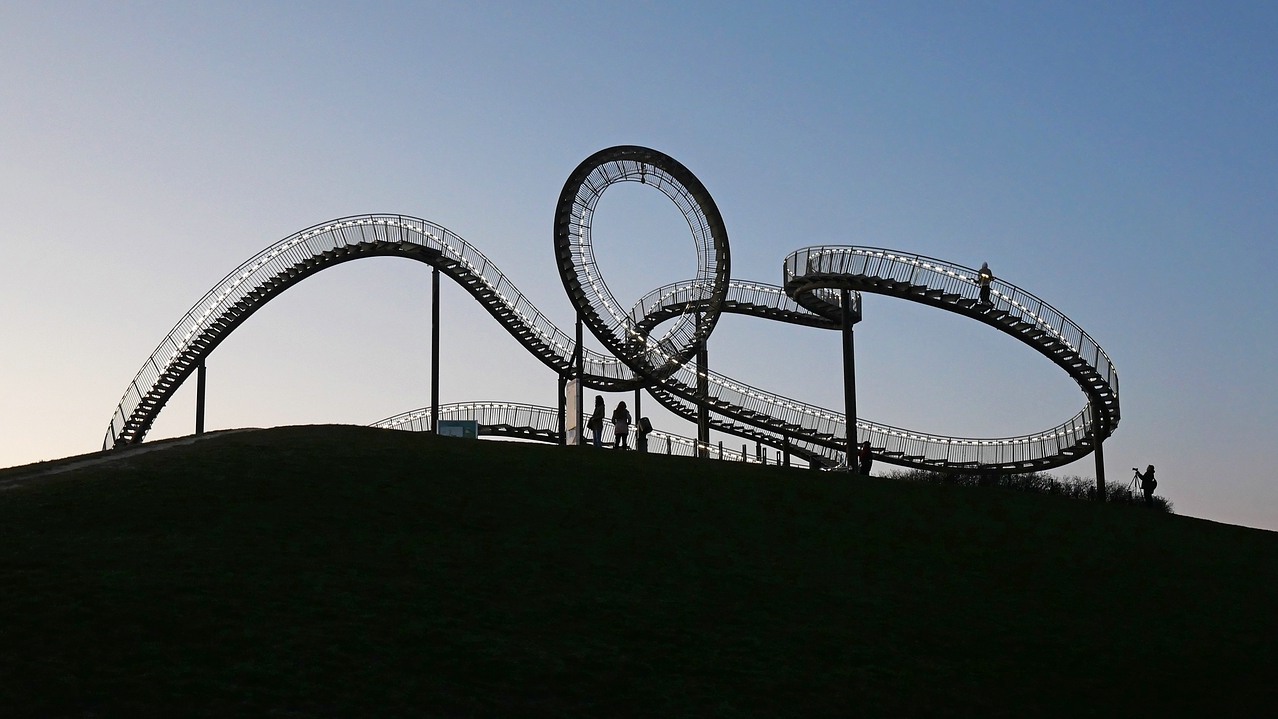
column 983, row 279
column 620, row 425
column 642, row 429
column 1148, row 484
column 595, row 425
column 866, row 455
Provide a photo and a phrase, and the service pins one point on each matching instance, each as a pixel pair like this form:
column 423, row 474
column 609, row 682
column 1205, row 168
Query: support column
column 785, row 450
column 199, row 398
column 849, row 381
column 703, row 389
column 434, row 350
column 1100, row 458
column 579, row 362
column 563, row 410
column 639, row 418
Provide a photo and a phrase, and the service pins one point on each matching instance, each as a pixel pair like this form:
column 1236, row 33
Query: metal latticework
column 617, row 329
column 1012, row 310
column 814, row 279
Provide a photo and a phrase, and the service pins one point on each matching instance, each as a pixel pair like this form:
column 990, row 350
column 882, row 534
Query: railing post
column 199, row 398
column 434, row 350
column 849, row 382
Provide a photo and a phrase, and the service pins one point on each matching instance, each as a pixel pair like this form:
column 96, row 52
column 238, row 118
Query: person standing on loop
column 595, row 425
column 983, row 279
column 621, row 426
column 866, row 457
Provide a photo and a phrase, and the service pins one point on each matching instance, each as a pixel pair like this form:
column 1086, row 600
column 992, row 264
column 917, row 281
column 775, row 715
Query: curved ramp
column 813, row 280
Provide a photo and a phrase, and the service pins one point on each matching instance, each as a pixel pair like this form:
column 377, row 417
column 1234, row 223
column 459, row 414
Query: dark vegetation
column 1039, row 483
column 343, row 571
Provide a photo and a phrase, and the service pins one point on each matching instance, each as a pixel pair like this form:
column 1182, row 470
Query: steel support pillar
column 434, row 350
column 579, row 364
column 849, row 382
column 638, row 417
column 563, row 410
column 1100, row 458
column 703, row 390
column 199, row 398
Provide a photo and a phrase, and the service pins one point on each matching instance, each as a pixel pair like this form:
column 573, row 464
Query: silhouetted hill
column 344, row 571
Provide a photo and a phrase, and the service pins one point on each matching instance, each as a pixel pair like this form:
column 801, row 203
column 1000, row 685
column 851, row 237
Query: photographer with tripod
column 1147, row 483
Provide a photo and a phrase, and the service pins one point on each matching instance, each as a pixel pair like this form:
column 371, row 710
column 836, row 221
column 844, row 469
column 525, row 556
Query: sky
column 1117, row 160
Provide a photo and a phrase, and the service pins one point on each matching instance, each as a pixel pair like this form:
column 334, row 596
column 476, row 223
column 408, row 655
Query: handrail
column 813, row 277
column 541, row 423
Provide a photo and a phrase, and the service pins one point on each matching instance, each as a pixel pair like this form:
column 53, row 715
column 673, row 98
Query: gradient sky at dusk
column 1118, row 161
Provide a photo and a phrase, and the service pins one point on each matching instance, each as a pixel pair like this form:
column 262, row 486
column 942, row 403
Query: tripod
column 1134, row 487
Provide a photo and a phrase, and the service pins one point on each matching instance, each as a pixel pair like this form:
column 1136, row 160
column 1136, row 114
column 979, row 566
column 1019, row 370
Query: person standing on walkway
column 621, row 425
column 866, row 455
column 983, row 279
column 595, row 425
column 642, row 429
column 1148, row 484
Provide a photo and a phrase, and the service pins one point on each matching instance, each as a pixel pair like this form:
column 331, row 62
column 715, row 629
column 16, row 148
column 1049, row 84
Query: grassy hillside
column 342, row 571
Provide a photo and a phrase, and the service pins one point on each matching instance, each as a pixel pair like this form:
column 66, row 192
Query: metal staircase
column 814, row 278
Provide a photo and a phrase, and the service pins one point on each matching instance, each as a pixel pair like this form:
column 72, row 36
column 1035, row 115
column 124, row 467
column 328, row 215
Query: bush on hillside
column 1038, row 482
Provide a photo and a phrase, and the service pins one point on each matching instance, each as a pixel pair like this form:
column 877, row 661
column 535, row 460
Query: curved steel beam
column 813, row 279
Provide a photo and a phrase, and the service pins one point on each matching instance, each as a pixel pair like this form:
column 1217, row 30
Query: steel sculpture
column 816, row 281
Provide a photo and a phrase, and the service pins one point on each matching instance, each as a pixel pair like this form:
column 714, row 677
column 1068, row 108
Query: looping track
column 813, row 277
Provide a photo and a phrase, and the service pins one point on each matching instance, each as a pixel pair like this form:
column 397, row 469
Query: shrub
column 1038, row 482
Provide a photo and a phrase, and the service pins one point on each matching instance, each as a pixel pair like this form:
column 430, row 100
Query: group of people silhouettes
column 621, row 421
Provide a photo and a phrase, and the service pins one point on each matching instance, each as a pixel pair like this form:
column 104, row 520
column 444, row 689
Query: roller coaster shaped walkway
column 817, row 284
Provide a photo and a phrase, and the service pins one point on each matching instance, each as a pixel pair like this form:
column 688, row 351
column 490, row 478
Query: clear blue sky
column 1117, row 161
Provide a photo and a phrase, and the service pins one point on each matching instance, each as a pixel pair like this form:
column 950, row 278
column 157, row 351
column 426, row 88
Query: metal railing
column 539, row 423
column 813, row 280
column 270, row 271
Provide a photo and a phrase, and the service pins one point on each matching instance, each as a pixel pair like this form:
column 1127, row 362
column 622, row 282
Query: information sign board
column 467, row 428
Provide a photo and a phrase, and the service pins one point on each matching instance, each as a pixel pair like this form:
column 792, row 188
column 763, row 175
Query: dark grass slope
column 341, row 571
